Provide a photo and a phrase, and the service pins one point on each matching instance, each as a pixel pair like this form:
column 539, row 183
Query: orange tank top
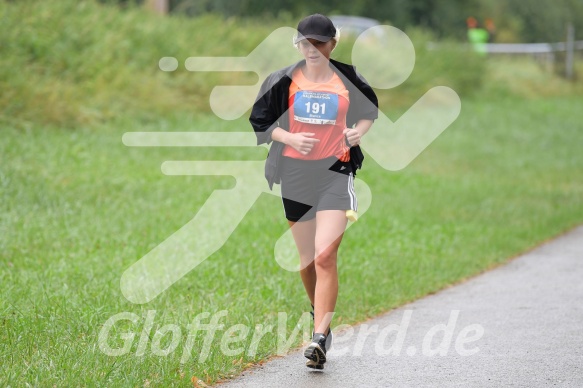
column 319, row 108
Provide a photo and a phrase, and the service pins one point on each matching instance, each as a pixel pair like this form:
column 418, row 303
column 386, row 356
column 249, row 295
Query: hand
column 302, row 142
column 352, row 135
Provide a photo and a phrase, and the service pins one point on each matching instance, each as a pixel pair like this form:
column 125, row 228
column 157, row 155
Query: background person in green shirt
column 478, row 37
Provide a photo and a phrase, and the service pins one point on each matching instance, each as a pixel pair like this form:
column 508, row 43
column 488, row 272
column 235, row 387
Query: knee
column 326, row 258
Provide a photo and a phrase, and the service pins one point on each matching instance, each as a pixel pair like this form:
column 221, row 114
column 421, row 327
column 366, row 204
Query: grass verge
column 78, row 207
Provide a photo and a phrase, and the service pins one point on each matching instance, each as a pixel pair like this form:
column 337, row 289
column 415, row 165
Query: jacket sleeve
column 365, row 104
column 264, row 117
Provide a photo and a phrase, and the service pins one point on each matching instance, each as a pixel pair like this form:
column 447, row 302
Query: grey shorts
column 308, row 186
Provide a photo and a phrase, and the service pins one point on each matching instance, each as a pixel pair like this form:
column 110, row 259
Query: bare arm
column 360, row 129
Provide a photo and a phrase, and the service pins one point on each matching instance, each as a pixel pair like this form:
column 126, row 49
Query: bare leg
column 330, row 226
column 304, row 233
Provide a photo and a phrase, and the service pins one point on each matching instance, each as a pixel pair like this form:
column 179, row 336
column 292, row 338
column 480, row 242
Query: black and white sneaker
column 316, row 352
column 328, row 337
column 329, row 340
column 316, row 365
column 319, row 364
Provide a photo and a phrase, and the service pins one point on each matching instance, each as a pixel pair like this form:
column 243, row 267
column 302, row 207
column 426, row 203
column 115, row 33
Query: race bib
column 315, row 107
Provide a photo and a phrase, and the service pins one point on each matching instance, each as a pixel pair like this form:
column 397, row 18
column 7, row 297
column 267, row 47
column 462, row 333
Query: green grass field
column 78, row 207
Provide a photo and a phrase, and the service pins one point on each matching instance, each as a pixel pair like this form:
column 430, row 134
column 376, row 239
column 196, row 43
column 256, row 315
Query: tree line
column 515, row 20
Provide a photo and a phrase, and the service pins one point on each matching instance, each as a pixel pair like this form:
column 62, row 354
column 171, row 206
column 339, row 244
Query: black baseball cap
column 317, row 27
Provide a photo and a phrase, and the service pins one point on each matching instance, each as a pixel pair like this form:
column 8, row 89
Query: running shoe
column 315, row 365
column 316, row 352
column 328, row 337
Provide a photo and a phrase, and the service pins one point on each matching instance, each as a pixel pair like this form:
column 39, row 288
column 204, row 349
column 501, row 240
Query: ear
column 334, row 43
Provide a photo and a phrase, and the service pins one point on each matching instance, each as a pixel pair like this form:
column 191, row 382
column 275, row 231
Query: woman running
column 315, row 112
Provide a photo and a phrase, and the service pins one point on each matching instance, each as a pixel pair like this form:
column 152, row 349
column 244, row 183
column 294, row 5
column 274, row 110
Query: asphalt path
column 518, row 325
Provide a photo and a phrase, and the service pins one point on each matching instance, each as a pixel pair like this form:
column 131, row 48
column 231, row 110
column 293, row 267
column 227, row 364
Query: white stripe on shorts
column 352, row 193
